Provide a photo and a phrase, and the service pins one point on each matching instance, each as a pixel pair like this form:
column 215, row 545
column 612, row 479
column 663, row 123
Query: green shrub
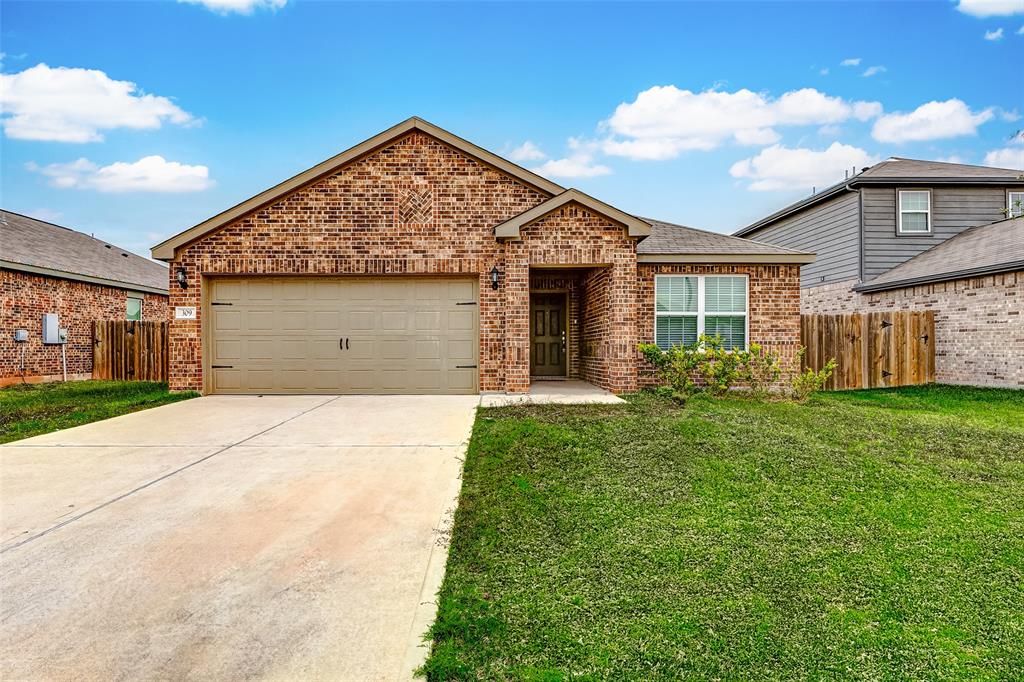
column 717, row 368
column 761, row 370
column 807, row 383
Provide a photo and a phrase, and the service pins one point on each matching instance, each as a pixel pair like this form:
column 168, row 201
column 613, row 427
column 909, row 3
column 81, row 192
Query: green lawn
column 31, row 409
column 876, row 535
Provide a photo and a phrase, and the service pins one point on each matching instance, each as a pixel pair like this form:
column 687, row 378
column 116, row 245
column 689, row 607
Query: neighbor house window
column 133, row 308
column 686, row 306
column 915, row 211
column 1015, row 204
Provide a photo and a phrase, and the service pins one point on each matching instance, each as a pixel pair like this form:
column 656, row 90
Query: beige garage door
column 334, row 335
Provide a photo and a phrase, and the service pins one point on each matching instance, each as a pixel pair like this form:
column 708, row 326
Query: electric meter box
column 21, row 335
column 52, row 333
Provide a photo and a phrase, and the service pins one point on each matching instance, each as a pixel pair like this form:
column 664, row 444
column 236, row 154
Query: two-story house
column 914, row 235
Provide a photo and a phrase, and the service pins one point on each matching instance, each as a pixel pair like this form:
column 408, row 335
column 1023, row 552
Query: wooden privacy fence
column 129, row 350
column 872, row 350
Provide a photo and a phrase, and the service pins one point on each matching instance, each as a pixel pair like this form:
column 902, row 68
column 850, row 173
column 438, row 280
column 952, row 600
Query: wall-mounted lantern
column 494, row 277
column 182, row 278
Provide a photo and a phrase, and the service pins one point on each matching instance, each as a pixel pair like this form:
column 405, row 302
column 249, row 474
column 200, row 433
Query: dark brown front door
column 547, row 335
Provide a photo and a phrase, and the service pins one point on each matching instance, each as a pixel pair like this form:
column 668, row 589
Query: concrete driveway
column 230, row 537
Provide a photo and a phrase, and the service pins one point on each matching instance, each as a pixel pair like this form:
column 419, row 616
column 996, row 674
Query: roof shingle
column 985, row 249
column 671, row 239
column 38, row 244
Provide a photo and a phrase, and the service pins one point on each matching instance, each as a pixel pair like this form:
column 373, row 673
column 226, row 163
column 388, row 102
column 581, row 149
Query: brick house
column 920, row 235
column 45, row 268
column 417, row 262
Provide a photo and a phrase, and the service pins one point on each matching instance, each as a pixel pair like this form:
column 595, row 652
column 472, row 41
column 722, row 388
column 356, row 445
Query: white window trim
column 131, row 295
column 1009, row 201
column 900, row 212
column 700, row 314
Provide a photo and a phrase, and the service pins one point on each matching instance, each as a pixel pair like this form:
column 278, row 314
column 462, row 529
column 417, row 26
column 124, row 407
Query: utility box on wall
column 52, row 333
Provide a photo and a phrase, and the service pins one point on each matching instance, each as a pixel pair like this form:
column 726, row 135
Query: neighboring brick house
column 45, row 268
column 417, row 262
column 920, row 235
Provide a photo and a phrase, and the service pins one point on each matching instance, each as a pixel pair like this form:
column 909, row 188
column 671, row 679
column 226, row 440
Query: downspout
column 860, row 234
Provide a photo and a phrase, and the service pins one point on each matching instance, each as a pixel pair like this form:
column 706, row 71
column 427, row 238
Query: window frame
column 142, row 302
column 701, row 314
column 900, row 232
column 1009, row 202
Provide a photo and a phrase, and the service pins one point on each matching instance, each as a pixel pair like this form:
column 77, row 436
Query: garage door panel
column 294, row 320
column 227, row 320
column 461, row 380
column 464, row 320
column 338, row 335
column 362, row 320
column 258, row 290
column 326, row 321
column 461, row 290
column 398, row 350
column 258, row 320
column 260, row 379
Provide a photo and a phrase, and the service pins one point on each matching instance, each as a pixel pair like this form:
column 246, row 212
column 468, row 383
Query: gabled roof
column 510, row 228
column 42, row 248
column 900, row 168
column 670, row 243
column 982, row 250
column 165, row 250
column 899, row 171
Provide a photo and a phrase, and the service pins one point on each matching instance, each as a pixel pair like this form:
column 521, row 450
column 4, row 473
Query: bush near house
column 863, row 535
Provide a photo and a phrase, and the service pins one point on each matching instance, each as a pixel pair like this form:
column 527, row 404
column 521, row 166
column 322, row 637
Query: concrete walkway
column 230, row 537
column 568, row 392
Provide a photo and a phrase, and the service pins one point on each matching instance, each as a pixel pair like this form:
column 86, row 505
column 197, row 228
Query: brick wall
column 416, row 206
column 574, row 236
column 773, row 309
column 24, row 298
column 419, row 206
column 979, row 323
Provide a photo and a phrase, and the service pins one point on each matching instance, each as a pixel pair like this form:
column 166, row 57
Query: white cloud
column 852, row 61
column 579, row 163
column 527, row 151
column 931, row 121
column 991, row 8
column 823, row 72
column 874, row 71
column 953, row 158
column 757, row 136
column 75, row 105
column 1007, row 157
column 224, row 7
column 1020, row 31
column 994, row 35
column 778, row 167
column 664, row 121
column 148, row 174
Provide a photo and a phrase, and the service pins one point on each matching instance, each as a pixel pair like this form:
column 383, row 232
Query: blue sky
column 677, row 111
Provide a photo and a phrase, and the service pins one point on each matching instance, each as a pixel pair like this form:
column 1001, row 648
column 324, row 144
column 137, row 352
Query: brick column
column 516, row 286
column 622, row 370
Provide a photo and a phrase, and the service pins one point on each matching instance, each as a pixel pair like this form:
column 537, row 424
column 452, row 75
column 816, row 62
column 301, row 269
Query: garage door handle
column 343, row 344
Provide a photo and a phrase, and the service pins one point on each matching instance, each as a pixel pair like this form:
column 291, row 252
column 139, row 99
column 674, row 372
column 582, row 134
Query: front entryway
column 343, row 335
column 548, row 335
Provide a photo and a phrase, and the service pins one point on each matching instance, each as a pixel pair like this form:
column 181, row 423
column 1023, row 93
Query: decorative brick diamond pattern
column 415, row 205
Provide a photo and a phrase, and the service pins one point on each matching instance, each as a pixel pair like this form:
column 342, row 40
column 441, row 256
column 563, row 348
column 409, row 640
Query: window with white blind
column 914, row 212
column 686, row 306
column 1015, row 204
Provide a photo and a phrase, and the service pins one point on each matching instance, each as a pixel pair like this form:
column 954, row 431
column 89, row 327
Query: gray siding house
column 878, row 224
